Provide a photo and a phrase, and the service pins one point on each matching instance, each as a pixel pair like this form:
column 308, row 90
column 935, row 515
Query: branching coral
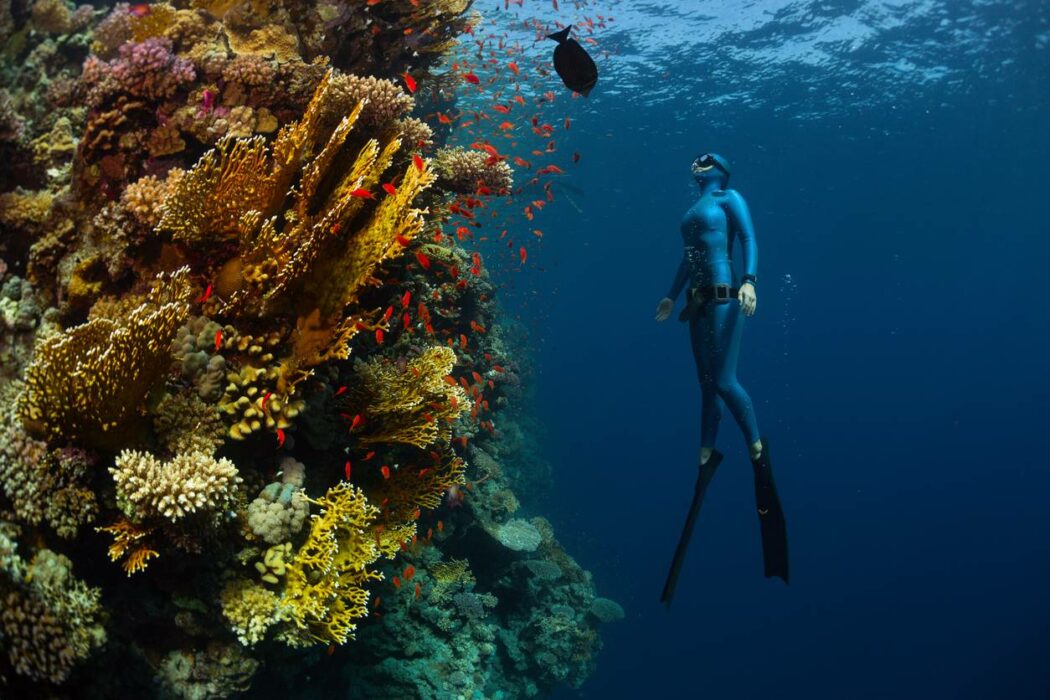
column 251, row 610
column 130, row 542
column 52, row 622
column 90, row 382
column 189, row 483
column 324, row 582
column 408, row 490
column 43, row 486
column 412, row 403
column 463, row 171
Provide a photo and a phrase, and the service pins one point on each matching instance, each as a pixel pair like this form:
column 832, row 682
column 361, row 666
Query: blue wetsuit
column 708, row 231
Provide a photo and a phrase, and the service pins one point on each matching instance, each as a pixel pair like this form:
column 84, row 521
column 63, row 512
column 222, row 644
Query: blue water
column 897, row 359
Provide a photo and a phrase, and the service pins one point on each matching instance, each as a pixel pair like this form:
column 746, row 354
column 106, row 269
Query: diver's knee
column 727, row 389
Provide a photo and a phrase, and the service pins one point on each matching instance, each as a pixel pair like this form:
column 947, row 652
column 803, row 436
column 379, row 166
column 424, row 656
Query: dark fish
column 574, row 65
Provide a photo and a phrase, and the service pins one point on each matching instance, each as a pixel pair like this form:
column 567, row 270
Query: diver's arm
column 666, row 305
column 679, row 279
column 740, row 220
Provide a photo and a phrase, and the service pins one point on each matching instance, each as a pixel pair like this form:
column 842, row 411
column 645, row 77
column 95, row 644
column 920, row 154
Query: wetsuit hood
column 718, row 172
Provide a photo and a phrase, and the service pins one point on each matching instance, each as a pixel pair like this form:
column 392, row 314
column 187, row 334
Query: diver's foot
column 705, row 454
column 756, row 450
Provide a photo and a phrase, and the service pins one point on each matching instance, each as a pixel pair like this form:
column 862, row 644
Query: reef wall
column 259, row 425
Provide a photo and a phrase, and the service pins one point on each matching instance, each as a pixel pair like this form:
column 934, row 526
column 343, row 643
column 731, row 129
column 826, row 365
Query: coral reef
column 243, row 358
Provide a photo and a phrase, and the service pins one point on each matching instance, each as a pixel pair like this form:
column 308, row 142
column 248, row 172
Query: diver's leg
column 700, row 333
column 727, row 329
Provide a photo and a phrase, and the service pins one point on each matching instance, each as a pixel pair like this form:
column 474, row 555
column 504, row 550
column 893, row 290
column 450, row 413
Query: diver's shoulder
column 729, row 196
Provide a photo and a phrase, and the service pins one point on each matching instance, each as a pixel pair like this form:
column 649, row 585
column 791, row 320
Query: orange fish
column 418, row 162
column 340, row 390
column 402, row 241
column 385, row 470
column 419, row 591
column 506, row 126
column 423, row 260
column 378, row 600
column 362, row 193
column 356, row 422
column 443, row 118
column 204, row 297
column 397, row 582
column 513, row 67
column 471, row 78
column 389, row 312
column 140, row 10
column 280, row 438
column 502, row 109
column 389, row 189
column 441, row 526
column 422, row 471
column 409, row 572
column 405, row 299
column 370, row 455
column 347, row 470
column 410, row 82
column 522, row 162
column 522, row 254
column 379, row 336
column 218, row 340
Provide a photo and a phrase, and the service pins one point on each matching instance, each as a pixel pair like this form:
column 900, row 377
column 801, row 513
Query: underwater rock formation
column 256, row 404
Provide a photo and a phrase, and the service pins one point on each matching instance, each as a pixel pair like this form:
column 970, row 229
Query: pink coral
column 148, row 69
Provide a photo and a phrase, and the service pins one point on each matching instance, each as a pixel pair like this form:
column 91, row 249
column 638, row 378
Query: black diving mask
column 707, row 160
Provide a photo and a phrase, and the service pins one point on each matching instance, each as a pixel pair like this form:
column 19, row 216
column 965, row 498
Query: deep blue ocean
column 896, row 160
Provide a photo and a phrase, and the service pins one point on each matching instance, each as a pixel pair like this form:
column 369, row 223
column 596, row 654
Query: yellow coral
column 414, row 404
column 248, row 389
column 88, row 383
column 324, row 582
column 251, row 610
column 128, row 542
column 406, row 492
column 156, row 22
column 451, row 572
column 309, row 240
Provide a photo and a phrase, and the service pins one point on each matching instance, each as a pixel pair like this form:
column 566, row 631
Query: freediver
column 716, row 324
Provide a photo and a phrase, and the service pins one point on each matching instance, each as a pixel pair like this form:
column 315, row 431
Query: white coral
column 189, row 483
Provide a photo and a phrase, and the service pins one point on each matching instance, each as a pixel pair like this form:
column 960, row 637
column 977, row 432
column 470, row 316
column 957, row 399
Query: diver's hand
column 664, row 309
column 748, row 300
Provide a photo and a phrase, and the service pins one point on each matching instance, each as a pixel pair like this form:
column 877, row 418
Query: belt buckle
column 721, row 292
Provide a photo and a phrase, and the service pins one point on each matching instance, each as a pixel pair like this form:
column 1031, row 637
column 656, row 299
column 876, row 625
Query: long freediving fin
column 703, row 478
column 770, row 517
